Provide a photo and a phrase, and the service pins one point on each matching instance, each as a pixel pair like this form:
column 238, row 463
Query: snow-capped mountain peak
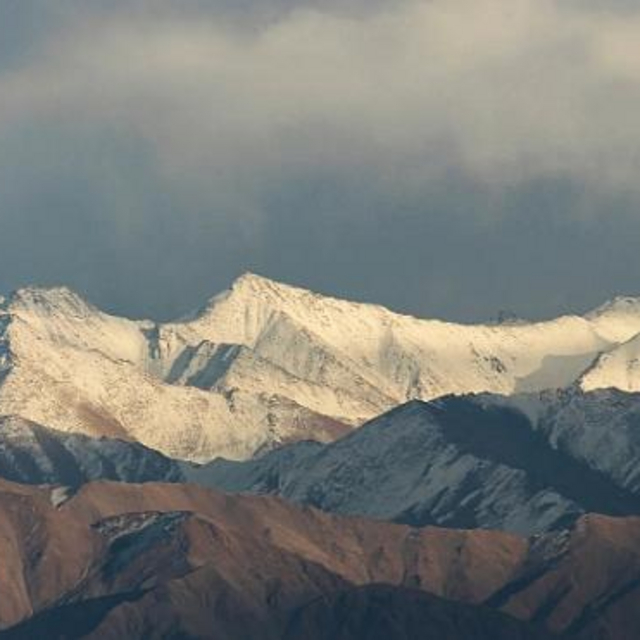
column 617, row 319
column 265, row 362
column 617, row 304
column 48, row 301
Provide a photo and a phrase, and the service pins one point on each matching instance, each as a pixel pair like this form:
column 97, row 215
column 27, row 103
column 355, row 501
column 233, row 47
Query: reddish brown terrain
column 179, row 561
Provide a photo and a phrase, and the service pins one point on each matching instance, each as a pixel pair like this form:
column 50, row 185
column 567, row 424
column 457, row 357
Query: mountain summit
column 265, row 363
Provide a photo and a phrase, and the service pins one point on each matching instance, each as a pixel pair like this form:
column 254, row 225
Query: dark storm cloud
column 450, row 158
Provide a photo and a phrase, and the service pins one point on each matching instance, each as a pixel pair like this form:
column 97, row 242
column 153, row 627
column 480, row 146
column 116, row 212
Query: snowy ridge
column 264, row 363
column 482, row 461
column 619, row 368
column 33, row 454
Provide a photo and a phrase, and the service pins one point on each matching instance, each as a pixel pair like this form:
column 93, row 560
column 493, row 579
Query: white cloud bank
column 500, row 89
column 406, row 152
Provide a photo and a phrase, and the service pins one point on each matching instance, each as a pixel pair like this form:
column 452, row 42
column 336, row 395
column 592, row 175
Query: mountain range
column 264, row 364
column 526, row 464
column 383, row 476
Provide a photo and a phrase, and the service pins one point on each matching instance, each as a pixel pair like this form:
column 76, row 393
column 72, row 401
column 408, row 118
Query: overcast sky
column 448, row 158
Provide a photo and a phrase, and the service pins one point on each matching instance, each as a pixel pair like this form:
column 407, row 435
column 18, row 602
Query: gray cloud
column 449, row 158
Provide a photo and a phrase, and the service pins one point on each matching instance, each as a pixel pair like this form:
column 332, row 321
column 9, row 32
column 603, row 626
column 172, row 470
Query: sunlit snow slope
column 265, row 363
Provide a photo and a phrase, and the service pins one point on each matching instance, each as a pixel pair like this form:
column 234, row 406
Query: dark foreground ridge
column 180, row 561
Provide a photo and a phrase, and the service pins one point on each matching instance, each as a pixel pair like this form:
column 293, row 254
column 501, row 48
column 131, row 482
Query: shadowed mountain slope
column 525, row 464
column 34, row 454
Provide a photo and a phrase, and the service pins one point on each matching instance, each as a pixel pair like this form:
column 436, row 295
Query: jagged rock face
column 525, row 464
column 264, row 363
column 178, row 561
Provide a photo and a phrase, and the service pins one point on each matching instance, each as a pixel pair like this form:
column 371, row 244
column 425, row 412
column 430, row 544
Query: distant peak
column 53, row 290
column 619, row 304
column 255, row 280
column 244, row 286
column 34, row 292
column 252, row 283
column 49, row 299
column 250, row 278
